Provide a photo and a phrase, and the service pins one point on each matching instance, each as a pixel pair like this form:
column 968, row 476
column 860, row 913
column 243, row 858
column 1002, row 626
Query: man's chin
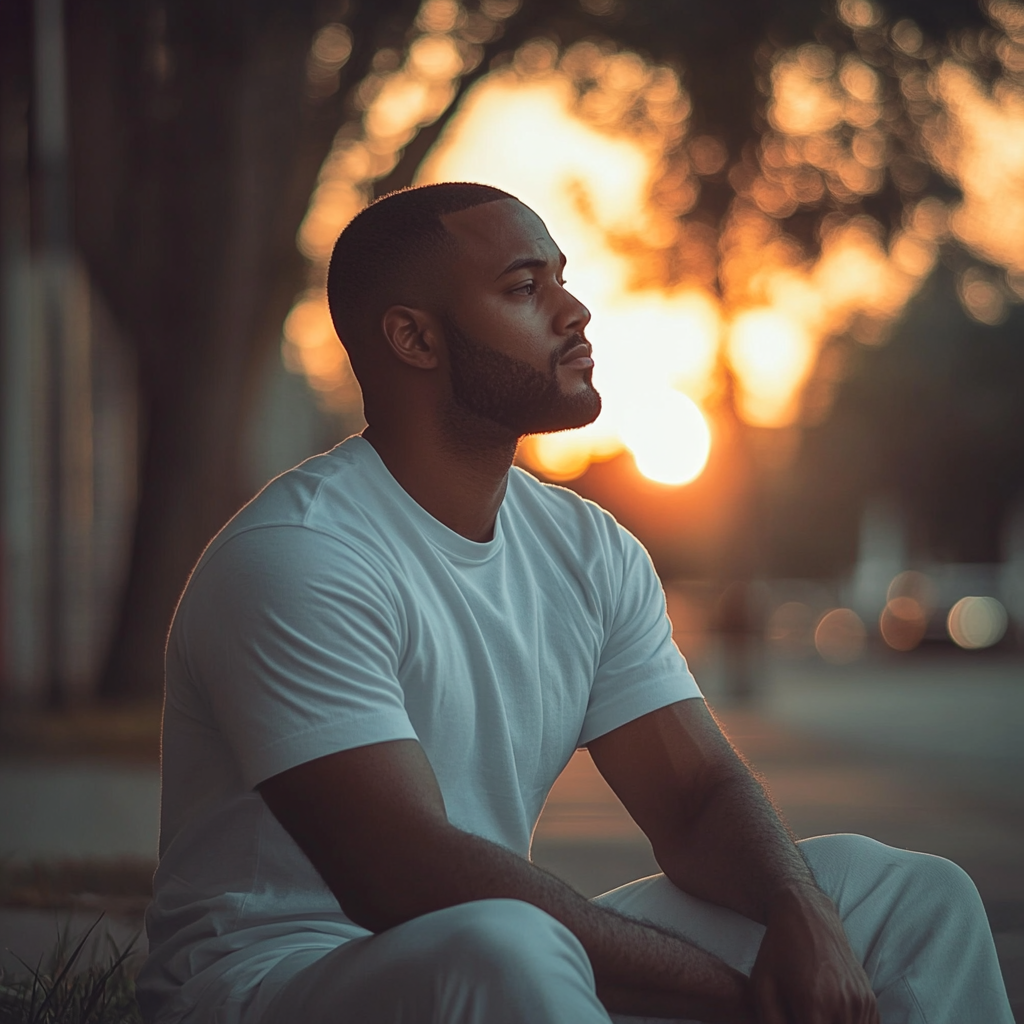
column 479, row 425
column 572, row 418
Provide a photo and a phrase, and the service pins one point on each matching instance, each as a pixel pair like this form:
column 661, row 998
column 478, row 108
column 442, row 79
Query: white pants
column 916, row 922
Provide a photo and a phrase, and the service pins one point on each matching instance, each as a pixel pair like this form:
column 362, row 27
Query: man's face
column 517, row 352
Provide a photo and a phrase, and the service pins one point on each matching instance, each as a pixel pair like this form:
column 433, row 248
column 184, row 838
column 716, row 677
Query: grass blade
column 100, row 986
column 65, row 969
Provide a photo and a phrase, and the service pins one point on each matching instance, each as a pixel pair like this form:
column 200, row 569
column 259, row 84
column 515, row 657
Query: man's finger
column 871, row 1014
column 769, row 1006
column 864, row 1007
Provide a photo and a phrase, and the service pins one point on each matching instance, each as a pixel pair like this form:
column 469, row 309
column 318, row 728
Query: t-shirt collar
column 441, row 536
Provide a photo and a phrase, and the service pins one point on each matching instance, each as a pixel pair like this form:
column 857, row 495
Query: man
column 380, row 666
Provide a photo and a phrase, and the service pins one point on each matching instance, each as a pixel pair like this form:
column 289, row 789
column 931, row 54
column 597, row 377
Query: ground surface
column 920, row 752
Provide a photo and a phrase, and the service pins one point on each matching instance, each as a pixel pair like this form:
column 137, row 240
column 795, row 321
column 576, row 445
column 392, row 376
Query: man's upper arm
column 356, row 814
column 662, row 764
column 293, row 642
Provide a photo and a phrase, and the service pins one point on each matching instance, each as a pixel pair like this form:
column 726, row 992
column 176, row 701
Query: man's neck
column 460, row 484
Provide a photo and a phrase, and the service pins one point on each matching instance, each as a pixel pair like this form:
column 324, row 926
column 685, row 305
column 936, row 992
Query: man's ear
column 413, row 336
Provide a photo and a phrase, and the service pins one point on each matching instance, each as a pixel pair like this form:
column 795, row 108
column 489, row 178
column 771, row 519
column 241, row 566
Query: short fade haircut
column 379, row 253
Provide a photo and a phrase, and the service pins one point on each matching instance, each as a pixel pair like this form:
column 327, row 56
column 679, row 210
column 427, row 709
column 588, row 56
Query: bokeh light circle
column 840, row 636
column 916, row 585
column 977, row 622
column 669, row 438
column 903, row 623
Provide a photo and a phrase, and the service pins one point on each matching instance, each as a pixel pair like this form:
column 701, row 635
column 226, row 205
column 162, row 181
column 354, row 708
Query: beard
column 512, row 394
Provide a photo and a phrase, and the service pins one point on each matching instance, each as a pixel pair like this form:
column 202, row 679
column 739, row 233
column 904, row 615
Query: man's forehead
column 495, row 234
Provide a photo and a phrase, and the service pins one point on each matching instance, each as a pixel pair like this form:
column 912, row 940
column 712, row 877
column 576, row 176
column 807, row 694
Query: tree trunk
column 197, row 149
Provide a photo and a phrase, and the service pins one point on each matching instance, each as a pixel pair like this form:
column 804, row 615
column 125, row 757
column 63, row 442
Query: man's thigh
column 488, row 962
column 728, row 935
column 472, row 963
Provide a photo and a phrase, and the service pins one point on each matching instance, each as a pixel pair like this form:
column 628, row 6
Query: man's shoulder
column 318, row 504
column 563, row 510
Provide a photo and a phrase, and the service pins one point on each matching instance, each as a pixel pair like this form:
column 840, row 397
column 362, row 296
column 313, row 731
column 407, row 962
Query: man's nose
column 574, row 317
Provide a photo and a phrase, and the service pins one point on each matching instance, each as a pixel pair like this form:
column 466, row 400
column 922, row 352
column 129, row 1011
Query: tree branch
column 518, row 29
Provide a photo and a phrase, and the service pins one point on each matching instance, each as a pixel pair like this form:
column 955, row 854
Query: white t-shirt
column 334, row 612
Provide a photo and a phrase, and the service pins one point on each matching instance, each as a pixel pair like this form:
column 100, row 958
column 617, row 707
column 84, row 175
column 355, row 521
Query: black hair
column 391, row 245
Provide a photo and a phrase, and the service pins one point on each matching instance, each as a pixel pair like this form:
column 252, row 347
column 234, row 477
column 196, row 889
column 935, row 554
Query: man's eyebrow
column 530, row 261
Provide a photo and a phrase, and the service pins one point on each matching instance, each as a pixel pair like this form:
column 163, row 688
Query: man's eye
column 526, row 288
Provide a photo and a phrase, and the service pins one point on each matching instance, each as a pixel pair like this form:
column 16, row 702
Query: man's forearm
column 638, row 968
column 733, row 849
column 717, row 836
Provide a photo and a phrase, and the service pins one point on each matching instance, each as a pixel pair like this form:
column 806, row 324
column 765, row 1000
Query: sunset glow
column 598, row 142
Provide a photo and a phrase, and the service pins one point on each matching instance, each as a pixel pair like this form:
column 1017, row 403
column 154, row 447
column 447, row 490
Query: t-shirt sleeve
column 640, row 668
column 293, row 640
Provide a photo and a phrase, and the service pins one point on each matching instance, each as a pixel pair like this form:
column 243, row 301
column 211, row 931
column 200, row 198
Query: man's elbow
column 373, row 902
column 360, row 907
column 392, row 887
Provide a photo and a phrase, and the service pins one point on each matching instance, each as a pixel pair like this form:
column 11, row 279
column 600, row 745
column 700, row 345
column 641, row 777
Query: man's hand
column 805, row 972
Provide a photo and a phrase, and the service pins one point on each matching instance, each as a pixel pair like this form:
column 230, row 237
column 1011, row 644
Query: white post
column 64, row 320
column 22, row 414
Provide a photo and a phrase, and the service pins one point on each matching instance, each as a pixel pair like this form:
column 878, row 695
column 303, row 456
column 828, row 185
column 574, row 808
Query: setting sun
column 670, row 441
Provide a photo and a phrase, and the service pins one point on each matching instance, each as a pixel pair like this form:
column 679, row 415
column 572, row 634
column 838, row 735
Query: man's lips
column 578, row 357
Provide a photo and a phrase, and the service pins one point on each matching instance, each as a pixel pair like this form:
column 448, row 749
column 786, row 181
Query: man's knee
column 493, row 960
column 504, row 938
column 842, row 863
column 844, row 851
column 940, row 889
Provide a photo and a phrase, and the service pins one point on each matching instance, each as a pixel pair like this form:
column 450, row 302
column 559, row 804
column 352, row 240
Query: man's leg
column 489, row 962
column 916, row 922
